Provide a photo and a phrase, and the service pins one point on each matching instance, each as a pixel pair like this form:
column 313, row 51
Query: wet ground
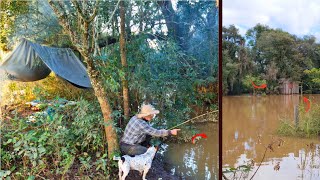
column 156, row 172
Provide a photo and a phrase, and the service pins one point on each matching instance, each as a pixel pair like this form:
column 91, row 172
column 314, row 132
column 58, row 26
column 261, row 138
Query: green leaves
column 278, row 47
column 247, row 82
column 239, row 171
column 312, row 79
column 10, row 10
column 31, row 177
column 58, row 140
column 270, row 54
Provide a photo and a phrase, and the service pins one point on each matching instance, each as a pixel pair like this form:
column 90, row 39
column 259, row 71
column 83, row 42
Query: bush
column 309, row 123
column 247, row 83
column 68, row 142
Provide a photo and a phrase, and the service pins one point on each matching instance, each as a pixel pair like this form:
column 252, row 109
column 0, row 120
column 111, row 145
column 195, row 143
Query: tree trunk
column 106, row 109
column 82, row 43
column 172, row 22
column 171, row 18
column 125, row 90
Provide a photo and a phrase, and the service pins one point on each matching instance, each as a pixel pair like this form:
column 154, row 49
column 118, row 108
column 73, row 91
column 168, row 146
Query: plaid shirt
column 137, row 129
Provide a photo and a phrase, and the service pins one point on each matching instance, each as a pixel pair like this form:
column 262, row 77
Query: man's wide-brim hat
column 146, row 110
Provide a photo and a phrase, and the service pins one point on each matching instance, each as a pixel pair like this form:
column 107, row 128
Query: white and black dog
column 141, row 163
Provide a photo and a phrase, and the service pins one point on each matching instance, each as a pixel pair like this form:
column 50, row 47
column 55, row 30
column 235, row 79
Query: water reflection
column 196, row 161
column 249, row 125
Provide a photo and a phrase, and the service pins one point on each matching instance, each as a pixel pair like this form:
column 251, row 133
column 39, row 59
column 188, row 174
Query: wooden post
column 296, row 115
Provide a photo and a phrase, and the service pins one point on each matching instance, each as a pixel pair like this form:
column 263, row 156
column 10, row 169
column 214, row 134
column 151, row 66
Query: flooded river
column 250, row 124
column 197, row 161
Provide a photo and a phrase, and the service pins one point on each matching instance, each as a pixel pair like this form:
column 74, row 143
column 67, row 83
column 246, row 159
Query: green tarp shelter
column 31, row 62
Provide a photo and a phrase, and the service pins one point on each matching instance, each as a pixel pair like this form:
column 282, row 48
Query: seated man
column 138, row 129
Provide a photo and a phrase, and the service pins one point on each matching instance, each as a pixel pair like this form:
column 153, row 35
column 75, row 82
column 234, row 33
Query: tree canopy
column 266, row 54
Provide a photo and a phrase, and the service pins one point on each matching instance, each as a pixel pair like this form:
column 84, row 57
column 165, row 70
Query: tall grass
column 308, row 126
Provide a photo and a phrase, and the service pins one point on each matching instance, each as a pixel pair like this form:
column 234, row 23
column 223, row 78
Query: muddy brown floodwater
column 197, row 161
column 250, row 124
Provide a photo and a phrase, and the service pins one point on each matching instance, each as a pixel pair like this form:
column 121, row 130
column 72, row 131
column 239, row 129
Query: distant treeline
column 267, row 55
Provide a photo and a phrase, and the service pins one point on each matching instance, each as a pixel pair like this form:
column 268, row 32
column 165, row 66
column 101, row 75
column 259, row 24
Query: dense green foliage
column 312, row 77
column 247, row 83
column 10, row 10
column 67, row 140
column 268, row 54
column 161, row 75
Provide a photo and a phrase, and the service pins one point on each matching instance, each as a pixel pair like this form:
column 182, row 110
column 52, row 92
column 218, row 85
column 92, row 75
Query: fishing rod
column 191, row 119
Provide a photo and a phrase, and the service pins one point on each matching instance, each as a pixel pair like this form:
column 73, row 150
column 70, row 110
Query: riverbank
column 156, row 172
column 65, row 142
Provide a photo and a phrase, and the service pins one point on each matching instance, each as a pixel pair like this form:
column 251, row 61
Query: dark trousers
column 137, row 149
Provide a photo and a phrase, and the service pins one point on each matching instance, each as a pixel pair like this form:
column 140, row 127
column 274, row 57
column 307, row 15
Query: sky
column 299, row 17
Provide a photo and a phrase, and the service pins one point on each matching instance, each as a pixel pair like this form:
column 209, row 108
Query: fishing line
column 192, row 119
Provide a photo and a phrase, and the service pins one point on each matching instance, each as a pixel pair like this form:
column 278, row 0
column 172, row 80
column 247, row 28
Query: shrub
column 309, row 123
column 68, row 142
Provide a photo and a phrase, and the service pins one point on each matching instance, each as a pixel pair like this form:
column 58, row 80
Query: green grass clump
column 308, row 126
